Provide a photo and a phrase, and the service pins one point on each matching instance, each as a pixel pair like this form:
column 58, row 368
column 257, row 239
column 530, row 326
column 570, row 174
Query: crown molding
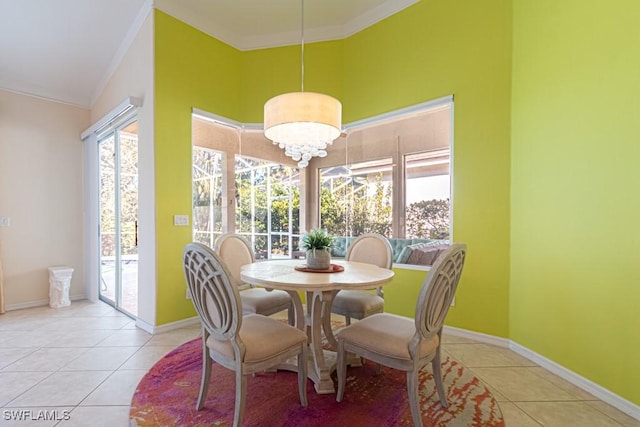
column 122, row 49
column 376, row 15
column 37, row 92
column 287, row 38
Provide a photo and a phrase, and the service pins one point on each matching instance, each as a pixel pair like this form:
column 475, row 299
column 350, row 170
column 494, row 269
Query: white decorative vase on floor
column 318, row 259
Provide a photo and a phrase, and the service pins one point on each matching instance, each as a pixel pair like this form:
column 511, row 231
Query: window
column 268, row 206
column 357, row 199
column 240, row 186
column 427, row 201
column 389, row 176
column 207, row 195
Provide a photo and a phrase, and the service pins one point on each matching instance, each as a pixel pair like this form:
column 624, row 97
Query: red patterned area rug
column 166, row 396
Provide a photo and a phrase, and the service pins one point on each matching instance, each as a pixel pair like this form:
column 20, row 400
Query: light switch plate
column 5, row 221
column 181, row 220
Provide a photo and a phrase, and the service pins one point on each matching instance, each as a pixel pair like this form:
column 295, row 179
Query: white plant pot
column 318, row 259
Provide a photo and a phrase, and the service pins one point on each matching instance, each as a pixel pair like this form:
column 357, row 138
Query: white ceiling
column 65, row 50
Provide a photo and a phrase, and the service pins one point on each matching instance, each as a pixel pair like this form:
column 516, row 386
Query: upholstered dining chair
column 236, row 251
column 244, row 344
column 403, row 343
column 371, row 248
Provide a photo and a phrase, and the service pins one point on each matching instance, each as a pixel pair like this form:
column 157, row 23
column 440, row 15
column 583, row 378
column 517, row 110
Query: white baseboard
column 589, row 386
column 585, row 384
column 476, row 336
column 152, row 329
column 29, row 304
column 39, row 303
column 147, row 327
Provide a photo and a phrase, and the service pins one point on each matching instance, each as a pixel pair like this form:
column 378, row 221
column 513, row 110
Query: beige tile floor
column 87, row 359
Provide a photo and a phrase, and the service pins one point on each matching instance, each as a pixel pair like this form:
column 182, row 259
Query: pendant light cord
column 302, row 45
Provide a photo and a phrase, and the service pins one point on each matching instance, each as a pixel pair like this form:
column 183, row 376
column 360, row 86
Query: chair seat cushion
column 388, row 335
column 357, row 304
column 263, row 337
column 261, row 301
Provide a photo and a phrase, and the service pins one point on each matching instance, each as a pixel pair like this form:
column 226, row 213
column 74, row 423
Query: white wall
column 134, row 77
column 41, row 191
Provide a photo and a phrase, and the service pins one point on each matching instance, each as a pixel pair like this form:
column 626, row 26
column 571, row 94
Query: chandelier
column 303, row 123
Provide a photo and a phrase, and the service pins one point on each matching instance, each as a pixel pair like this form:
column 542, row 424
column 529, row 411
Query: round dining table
column 320, row 289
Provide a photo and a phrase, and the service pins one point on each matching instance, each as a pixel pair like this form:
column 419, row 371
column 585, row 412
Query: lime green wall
column 432, row 49
column 544, row 157
column 270, row 72
column 575, row 279
column 191, row 70
column 401, row 294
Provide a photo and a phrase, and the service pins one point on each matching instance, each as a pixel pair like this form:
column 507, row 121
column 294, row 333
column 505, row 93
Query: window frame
column 236, row 139
column 369, row 146
column 343, row 149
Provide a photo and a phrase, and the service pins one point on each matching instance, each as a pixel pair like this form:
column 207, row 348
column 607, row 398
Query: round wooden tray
column 334, row 268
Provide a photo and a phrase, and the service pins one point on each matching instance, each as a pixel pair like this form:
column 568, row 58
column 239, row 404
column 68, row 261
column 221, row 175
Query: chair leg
column 341, row 365
column 302, row 375
column 437, row 376
column 206, row 376
column 414, row 398
column 291, row 313
column 347, row 320
column 241, row 391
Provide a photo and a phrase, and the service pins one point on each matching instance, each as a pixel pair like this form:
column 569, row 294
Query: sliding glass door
column 118, row 176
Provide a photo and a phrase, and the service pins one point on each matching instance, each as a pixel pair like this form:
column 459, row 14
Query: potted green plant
column 317, row 243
